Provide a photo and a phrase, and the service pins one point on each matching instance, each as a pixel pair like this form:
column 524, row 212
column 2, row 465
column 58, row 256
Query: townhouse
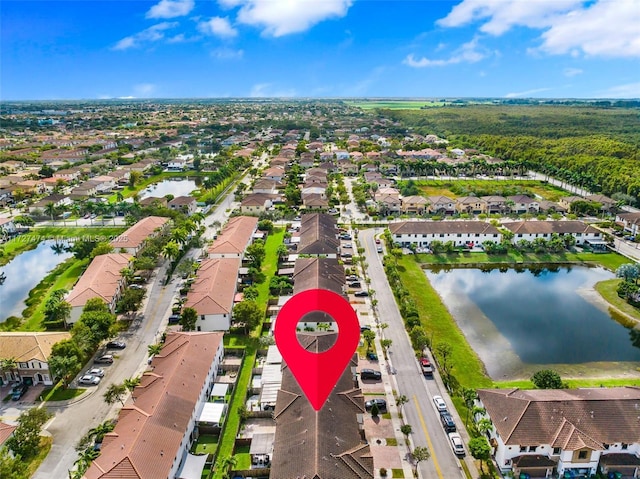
column 212, row 294
column 630, row 222
column 256, row 203
column 234, row 238
column 135, row 238
column 414, row 204
column 326, row 443
column 462, row 233
column 318, row 236
column 184, row 204
column 102, row 279
column 568, row 432
column 523, row 204
column 154, row 434
column 530, row 230
column 31, row 352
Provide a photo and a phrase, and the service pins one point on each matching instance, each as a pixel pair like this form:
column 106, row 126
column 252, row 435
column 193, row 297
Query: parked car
column 99, row 372
column 104, row 359
column 89, row 380
column 355, row 284
column 345, row 236
column 427, row 368
column 18, row 391
column 382, row 404
column 174, row 318
column 360, row 294
column 379, row 249
column 440, row 404
column 447, row 422
column 377, row 240
column 353, row 277
column 365, row 327
column 347, row 246
column 370, row 374
column 116, row 345
column 456, row 443
column 371, row 356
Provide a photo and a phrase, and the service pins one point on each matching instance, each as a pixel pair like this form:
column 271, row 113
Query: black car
column 447, row 422
column 370, row 374
column 361, row 294
column 174, row 318
column 18, row 391
column 116, row 345
column 381, row 403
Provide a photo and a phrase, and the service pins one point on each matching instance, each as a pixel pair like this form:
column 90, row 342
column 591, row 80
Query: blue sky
column 75, row 49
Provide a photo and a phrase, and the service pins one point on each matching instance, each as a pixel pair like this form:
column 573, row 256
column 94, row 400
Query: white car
column 96, row 372
column 89, row 380
column 440, row 404
column 456, row 443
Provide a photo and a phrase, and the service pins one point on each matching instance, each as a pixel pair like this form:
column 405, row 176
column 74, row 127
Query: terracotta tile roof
column 25, row 346
column 101, row 279
column 235, row 236
column 442, row 227
column 256, row 199
column 5, row 431
column 415, row 200
column 323, row 444
column 147, row 437
column 215, row 286
column 549, row 227
column 182, row 200
column 318, row 273
column 318, row 234
column 568, row 418
column 138, row 233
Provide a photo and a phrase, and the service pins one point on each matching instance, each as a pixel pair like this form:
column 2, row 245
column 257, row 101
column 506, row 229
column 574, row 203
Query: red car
column 377, row 240
column 426, row 367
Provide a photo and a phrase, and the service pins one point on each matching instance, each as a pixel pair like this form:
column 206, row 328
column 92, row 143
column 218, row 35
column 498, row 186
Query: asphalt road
column 419, row 412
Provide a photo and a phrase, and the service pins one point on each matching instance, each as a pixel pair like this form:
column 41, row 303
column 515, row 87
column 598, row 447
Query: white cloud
column 469, row 52
column 264, row 90
column 526, row 93
column 171, row 9
column 283, row 17
column 227, row 54
column 628, row 90
column 571, row 72
column 606, row 28
column 218, row 26
column 591, row 27
column 151, row 34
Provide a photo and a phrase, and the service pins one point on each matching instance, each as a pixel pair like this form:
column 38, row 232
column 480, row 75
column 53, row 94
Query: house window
column 625, row 446
column 495, row 235
column 459, row 235
column 519, row 235
column 23, row 365
column 523, row 448
column 441, row 235
column 582, row 454
column 606, row 446
column 477, row 235
column 556, row 450
column 202, row 317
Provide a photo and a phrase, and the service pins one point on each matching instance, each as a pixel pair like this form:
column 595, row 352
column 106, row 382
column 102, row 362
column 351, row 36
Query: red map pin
column 317, row 373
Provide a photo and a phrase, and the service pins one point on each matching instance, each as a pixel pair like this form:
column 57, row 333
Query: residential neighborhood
column 145, row 264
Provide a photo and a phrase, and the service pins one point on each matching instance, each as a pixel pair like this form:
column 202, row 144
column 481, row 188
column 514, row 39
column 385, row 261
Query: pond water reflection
column 546, row 316
column 24, row 272
column 181, row 187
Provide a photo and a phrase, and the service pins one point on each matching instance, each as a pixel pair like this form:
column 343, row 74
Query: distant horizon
column 337, row 98
column 140, row 49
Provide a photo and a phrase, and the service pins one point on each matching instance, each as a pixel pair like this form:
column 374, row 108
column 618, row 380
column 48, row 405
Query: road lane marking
column 424, row 428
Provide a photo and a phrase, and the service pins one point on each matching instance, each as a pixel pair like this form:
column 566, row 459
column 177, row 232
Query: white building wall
column 213, row 322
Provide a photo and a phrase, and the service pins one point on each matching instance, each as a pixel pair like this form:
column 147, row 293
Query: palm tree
column 171, row 250
column 115, row 392
column 98, row 432
column 50, row 209
column 154, row 349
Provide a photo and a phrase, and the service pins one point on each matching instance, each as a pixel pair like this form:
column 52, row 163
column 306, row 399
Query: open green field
column 394, row 104
column 458, row 188
column 610, row 261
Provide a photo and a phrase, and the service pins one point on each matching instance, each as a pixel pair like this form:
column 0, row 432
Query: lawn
column 608, row 290
column 206, row 444
column 269, row 268
column 610, row 261
column 440, row 325
column 55, row 393
column 64, row 276
column 457, row 188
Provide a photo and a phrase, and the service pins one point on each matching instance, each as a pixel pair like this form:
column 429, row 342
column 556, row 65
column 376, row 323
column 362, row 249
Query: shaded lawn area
column 57, row 393
column 440, row 325
column 611, row 261
column 270, row 264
